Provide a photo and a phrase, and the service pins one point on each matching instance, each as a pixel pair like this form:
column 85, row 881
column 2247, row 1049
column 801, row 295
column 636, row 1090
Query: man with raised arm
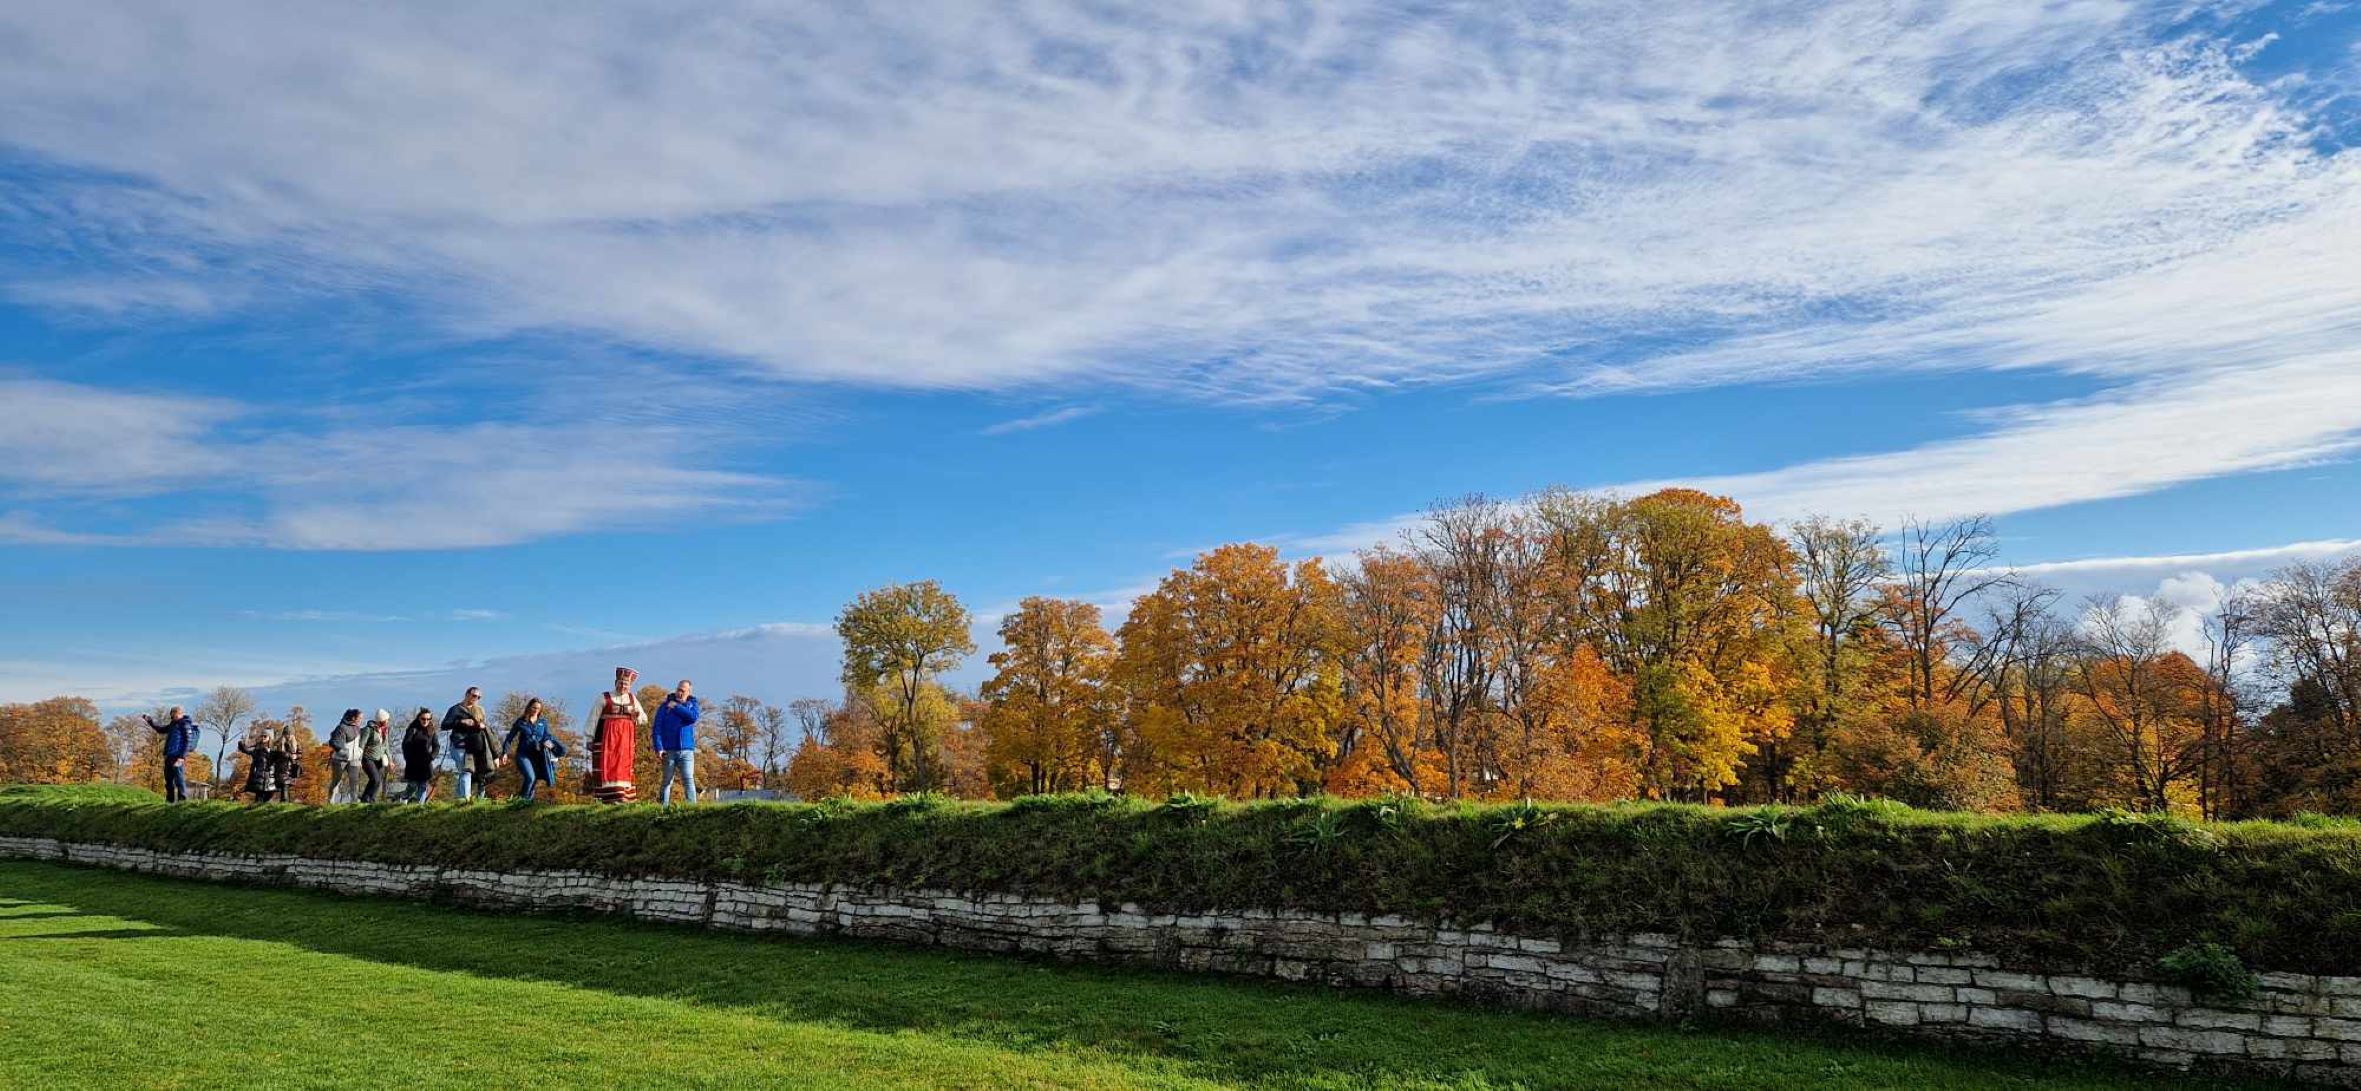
column 180, row 735
column 675, row 736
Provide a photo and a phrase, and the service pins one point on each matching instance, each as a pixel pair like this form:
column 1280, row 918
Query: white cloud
column 2230, row 420
column 64, row 437
column 2237, row 560
column 1047, row 419
column 1232, row 202
column 356, row 487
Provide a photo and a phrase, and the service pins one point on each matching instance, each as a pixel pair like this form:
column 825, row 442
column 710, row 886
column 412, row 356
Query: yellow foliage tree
column 1692, row 604
column 1049, row 720
column 56, row 741
column 1387, row 607
column 1231, row 676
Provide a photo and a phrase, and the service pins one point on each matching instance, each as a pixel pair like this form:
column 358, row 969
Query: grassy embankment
column 109, row 980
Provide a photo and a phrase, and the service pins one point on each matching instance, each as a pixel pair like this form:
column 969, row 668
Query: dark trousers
column 176, row 782
column 374, row 771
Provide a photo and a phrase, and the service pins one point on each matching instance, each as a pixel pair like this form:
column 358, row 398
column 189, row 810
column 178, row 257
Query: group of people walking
column 362, row 751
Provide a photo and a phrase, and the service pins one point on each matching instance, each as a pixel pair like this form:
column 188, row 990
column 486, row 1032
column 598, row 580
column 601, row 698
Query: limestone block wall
column 2297, row 1025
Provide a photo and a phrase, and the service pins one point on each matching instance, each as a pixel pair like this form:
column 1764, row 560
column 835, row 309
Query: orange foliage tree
column 1231, row 678
column 1049, row 720
column 56, row 741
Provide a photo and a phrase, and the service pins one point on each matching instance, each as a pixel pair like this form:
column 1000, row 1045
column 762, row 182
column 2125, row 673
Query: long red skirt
column 610, row 761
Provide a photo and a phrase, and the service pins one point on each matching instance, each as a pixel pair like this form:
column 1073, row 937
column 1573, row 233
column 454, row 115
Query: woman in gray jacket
column 344, row 758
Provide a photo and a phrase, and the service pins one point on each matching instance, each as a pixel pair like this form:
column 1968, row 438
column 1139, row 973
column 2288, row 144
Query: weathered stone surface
column 2296, row 1024
column 2025, row 1022
column 1892, row 1013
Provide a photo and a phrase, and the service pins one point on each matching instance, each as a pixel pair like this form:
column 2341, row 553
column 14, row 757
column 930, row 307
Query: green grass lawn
column 108, row 980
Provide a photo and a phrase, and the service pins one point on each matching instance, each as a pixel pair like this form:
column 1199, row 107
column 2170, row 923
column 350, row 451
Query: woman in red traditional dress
column 615, row 740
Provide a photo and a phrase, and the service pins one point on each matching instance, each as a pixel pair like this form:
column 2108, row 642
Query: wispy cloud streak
column 1050, row 419
column 1246, row 204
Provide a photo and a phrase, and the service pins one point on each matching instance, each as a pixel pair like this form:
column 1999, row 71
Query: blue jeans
column 466, row 783
column 683, row 763
column 176, row 781
column 532, row 769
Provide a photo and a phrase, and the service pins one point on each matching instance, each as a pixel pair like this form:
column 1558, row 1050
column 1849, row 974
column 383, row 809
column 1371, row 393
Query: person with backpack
column 180, row 736
column 535, row 749
column 375, row 747
column 344, row 758
column 420, row 748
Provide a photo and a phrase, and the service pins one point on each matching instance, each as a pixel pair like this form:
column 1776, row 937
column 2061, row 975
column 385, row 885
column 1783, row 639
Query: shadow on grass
column 1224, row 1029
column 93, row 933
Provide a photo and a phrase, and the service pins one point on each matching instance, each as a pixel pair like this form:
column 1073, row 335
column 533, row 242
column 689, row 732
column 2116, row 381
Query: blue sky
column 358, row 357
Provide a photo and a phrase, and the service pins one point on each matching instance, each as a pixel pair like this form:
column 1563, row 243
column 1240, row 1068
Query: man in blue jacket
column 180, row 734
column 675, row 736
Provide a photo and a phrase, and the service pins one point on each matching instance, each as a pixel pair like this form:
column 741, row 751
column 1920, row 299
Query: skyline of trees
column 1562, row 646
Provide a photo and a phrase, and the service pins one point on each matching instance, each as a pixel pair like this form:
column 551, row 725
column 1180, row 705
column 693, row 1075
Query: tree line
column 1563, row 646
column 1579, row 647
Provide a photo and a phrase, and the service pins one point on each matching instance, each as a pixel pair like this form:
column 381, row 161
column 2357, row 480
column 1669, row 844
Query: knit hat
column 383, row 717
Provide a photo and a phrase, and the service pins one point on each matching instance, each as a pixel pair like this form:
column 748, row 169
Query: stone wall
column 2297, row 1025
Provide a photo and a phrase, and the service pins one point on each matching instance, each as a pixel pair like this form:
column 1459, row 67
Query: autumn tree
column 1556, row 730
column 2028, row 661
column 897, row 640
column 1049, row 718
column 1692, row 605
column 1229, row 670
column 841, row 754
column 1462, row 545
column 735, row 738
column 967, row 764
column 131, row 743
column 2146, row 696
column 1839, row 566
column 56, row 741
column 311, row 754
column 811, row 716
column 1387, row 608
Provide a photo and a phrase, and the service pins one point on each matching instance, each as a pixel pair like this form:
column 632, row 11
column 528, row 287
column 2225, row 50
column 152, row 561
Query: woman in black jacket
column 262, row 777
column 286, row 762
column 420, row 748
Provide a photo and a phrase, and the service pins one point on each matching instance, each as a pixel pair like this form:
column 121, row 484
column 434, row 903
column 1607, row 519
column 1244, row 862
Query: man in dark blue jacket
column 180, row 735
column 675, row 736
